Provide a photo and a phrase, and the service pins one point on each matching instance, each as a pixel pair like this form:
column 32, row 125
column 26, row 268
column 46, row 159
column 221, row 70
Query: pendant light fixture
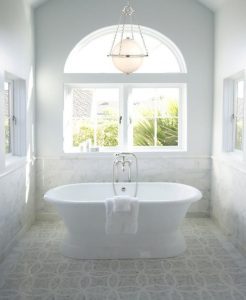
column 128, row 54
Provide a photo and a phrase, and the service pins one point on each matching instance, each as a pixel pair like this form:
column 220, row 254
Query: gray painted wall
column 61, row 24
column 229, row 174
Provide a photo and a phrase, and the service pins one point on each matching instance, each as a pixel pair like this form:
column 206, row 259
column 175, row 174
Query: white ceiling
column 212, row 4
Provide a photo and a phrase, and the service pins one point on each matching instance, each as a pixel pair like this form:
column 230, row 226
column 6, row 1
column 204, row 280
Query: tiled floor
column 210, row 269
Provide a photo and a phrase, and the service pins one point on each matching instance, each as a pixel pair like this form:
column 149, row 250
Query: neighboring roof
column 211, row 4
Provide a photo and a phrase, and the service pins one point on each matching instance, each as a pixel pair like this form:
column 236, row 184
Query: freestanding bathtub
column 162, row 208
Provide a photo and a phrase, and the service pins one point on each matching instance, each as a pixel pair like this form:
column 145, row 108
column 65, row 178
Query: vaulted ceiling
column 212, row 4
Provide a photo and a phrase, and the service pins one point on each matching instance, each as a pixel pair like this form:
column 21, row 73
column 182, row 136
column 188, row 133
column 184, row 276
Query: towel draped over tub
column 122, row 215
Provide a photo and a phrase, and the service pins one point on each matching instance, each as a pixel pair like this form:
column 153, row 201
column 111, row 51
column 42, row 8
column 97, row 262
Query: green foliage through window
column 149, row 131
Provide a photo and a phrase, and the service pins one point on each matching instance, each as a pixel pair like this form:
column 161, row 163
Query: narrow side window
column 14, row 116
column 8, row 116
column 234, row 114
column 239, row 106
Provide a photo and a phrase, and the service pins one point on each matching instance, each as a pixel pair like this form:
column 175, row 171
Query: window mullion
column 125, row 116
column 155, row 123
column 95, row 124
column 121, row 120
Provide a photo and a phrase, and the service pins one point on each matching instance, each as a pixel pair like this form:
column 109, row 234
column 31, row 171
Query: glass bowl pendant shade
column 127, row 56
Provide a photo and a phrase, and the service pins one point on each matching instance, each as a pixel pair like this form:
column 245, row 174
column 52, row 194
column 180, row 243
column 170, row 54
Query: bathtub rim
column 196, row 197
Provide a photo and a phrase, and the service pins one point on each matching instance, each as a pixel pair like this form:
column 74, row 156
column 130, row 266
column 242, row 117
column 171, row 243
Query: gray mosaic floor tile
column 210, row 269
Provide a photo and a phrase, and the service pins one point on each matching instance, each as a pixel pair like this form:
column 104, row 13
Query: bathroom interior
column 123, row 149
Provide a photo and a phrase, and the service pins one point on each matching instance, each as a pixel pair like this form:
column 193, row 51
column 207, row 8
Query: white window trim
column 124, row 127
column 229, row 119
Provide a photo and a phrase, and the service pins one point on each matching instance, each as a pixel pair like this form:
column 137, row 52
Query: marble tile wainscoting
column 51, row 172
column 17, row 202
column 229, row 199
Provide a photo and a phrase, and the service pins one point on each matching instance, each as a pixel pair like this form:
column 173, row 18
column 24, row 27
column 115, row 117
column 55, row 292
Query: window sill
column 136, row 150
column 140, row 153
column 13, row 163
column 232, row 159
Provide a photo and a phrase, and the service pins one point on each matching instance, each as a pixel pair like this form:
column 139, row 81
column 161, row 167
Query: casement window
column 145, row 111
column 124, row 117
column 238, row 115
column 8, row 116
column 235, row 113
column 91, row 115
column 156, row 116
column 13, row 113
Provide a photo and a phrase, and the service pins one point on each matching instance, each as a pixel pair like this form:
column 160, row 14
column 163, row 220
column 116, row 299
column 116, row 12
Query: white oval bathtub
column 162, row 207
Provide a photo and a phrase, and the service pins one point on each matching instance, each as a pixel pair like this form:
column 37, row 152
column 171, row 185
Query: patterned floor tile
column 211, row 268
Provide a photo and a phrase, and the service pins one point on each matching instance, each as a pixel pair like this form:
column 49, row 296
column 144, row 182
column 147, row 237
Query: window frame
column 235, row 112
column 67, row 90
column 125, row 127
column 18, row 121
column 11, row 117
column 229, row 115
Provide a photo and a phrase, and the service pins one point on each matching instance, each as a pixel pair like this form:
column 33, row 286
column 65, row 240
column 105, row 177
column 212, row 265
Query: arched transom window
column 90, row 54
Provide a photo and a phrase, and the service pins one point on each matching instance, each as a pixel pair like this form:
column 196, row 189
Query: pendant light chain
column 122, row 34
column 132, row 27
column 115, row 36
column 129, row 12
column 141, row 34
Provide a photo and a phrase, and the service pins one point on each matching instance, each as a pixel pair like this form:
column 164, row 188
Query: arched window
column 90, row 54
column 145, row 111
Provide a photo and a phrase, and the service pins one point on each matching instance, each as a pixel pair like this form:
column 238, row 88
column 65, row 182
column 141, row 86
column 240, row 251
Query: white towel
column 122, row 203
column 121, row 215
